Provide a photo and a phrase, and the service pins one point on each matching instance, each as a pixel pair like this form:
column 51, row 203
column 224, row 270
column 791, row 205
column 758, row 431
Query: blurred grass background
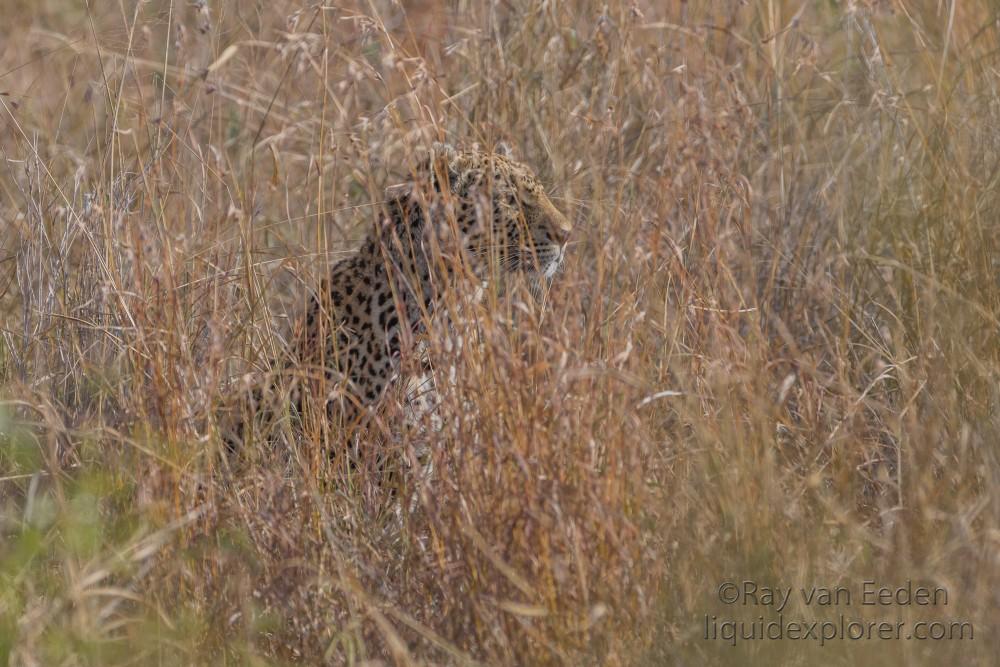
column 772, row 355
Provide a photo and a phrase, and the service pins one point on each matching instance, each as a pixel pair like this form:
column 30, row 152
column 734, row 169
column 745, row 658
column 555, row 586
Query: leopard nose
column 559, row 224
column 560, row 228
column 559, row 233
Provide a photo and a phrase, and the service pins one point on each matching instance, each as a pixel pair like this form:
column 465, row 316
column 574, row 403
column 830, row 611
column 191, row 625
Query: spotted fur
column 465, row 212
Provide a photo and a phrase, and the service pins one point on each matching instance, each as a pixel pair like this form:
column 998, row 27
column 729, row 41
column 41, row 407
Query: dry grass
column 773, row 354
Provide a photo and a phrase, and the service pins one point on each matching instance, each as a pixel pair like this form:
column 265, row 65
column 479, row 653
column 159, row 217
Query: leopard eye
column 526, row 193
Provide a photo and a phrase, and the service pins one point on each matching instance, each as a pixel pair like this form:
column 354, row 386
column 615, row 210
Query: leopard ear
column 442, row 164
column 399, row 191
column 444, row 152
column 503, row 149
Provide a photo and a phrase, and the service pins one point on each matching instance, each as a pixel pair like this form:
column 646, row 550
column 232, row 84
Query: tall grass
column 772, row 355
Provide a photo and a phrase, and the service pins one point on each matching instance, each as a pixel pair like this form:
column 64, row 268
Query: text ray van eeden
column 749, row 593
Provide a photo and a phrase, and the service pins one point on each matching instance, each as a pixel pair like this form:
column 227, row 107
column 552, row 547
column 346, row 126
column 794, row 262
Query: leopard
column 465, row 217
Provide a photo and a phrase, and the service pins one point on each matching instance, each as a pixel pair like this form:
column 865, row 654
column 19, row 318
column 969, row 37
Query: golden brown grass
column 772, row 355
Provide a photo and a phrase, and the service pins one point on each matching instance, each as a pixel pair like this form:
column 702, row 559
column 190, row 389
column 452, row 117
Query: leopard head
column 500, row 210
